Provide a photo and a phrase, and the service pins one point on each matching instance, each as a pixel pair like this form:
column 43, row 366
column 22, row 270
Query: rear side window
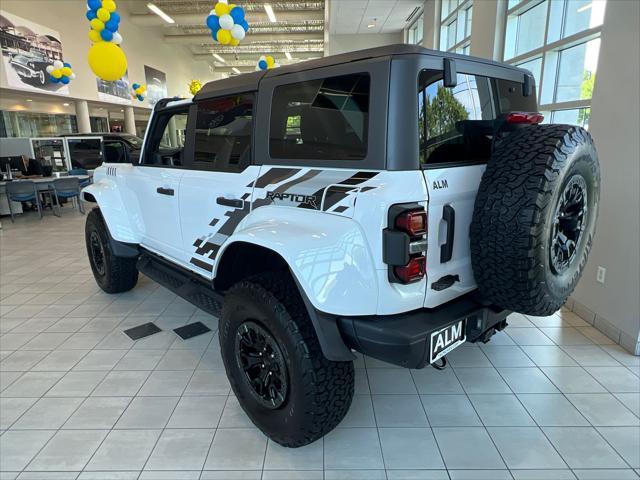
column 223, row 133
column 324, row 119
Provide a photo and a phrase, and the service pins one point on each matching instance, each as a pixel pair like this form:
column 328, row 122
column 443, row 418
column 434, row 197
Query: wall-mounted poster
column 115, row 92
column 156, row 84
column 27, row 50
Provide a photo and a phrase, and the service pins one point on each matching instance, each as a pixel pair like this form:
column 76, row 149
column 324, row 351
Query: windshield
column 133, row 140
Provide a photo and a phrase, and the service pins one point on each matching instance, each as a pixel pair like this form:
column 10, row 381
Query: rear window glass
column 456, row 124
column 324, row 119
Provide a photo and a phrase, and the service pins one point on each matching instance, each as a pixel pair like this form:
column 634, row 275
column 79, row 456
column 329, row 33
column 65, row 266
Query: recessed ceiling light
column 235, row 70
column 270, row 14
column 29, row 100
column 219, row 58
column 155, row 9
column 122, row 110
column 371, row 24
column 288, row 55
column 65, row 104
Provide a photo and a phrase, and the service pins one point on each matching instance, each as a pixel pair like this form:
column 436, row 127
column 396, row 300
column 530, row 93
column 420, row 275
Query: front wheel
column 275, row 364
column 113, row 274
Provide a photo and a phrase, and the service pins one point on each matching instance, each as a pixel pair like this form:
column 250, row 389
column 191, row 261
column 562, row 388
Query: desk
column 42, row 184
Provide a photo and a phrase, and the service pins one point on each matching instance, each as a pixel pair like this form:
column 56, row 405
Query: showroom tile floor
column 549, row 398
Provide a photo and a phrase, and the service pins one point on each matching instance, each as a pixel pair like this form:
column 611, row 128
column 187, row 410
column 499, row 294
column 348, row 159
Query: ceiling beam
column 197, row 38
column 151, row 20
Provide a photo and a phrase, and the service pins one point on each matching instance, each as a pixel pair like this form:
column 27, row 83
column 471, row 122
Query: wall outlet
column 600, row 275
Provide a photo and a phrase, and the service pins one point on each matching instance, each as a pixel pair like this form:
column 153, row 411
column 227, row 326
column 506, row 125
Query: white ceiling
column 353, row 16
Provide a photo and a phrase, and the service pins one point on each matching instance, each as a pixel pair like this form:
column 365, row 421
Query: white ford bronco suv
column 395, row 201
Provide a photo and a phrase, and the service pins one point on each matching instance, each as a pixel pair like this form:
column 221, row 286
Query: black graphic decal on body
column 275, row 175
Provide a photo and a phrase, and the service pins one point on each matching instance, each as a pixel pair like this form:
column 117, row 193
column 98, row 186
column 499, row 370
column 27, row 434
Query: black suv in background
column 116, row 148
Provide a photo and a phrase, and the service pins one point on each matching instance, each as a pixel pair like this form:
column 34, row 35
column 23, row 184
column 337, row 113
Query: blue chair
column 22, row 191
column 81, row 171
column 66, row 187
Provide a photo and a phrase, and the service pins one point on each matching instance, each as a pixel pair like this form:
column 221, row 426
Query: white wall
column 143, row 46
column 615, row 126
column 349, row 43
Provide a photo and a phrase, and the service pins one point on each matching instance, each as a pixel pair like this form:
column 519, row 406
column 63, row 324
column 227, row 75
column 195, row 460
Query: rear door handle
column 230, row 202
column 449, row 217
column 165, row 191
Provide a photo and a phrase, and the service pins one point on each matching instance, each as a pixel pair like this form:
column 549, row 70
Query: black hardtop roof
column 250, row 81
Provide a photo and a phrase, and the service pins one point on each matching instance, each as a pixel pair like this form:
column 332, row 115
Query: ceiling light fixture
column 65, row 104
column 270, row 14
column 371, row 24
column 155, row 9
column 236, row 70
column 584, row 8
column 219, row 58
column 29, row 100
column 288, row 55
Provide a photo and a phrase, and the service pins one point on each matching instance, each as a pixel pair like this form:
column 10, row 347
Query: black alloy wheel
column 260, row 358
column 97, row 252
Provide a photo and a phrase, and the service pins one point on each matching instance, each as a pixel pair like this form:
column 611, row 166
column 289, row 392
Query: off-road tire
column 515, row 212
column 319, row 390
column 116, row 274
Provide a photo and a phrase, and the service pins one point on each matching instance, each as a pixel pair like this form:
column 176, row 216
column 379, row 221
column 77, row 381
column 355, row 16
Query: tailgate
column 452, row 193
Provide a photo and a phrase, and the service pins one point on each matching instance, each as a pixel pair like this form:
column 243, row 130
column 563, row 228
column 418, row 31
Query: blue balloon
column 237, row 14
column 68, row 65
column 263, row 64
column 111, row 25
column 140, row 97
column 94, row 4
column 213, row 22
column 244, row 25
column 115, row 16
column 214, row 34
column 91, row 14
column 135, row 86
column 64, row 80
column 54, row 79
column 107, row 35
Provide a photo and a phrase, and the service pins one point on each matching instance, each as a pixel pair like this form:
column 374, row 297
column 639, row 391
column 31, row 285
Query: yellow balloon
column 107, row 61
column 66, row 71
column 97, row 25
column 223, row 36
column 56, row 73
column 270, row 61
column 221, row 9
column 139, row 91
column 232, row 6
column 103, row 14
column 234, row 42
column 143, row 88
column 94, row 36
column 109, row 5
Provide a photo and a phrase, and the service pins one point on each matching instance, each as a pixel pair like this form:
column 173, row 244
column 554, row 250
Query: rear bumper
column 404, row 339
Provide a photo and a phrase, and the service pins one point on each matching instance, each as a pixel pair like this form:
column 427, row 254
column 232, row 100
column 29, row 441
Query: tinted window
column 114, row 152
column 325, row 119
column 455, row 124
column 223, row 133
column 167, row 138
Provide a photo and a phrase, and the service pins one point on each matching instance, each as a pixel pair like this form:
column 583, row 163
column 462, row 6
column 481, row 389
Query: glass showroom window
column 559, row 42
column 415, row 34
column 455, row 26
column 31, row 124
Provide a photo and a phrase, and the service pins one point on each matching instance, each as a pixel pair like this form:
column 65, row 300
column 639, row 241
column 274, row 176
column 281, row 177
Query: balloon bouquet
column 106, row 58
column 227, row 24
column 138, row 91
column 266, row 63
column 60, row 72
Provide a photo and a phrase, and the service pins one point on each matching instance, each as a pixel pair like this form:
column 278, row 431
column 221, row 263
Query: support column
column 82, row 116
column 487, row 29
column 129, row 121
column 431, row 32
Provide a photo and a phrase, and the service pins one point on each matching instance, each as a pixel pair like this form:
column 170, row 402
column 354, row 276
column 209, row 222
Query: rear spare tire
column 534, row 218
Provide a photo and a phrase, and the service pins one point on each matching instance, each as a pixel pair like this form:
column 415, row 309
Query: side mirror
column 450, row 77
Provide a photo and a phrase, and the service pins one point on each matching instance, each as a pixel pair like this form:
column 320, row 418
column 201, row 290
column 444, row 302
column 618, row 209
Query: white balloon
column 117, row 38
column 263, row 58
column 58, row 64
column 237, row 32
column 73, row 76
column 50, row 69
column 226, row 21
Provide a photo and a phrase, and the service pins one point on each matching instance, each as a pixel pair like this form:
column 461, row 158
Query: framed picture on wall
column 28, row 48
column 156, row 84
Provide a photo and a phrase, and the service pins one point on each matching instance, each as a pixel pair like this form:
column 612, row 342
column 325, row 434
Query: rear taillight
column 413, row 222
column 529, row 118
column 404, row 243
column 412, row 271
